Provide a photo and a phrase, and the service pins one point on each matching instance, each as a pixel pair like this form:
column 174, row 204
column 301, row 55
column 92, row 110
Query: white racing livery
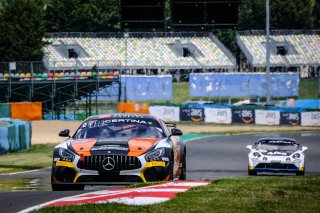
column 276, row 155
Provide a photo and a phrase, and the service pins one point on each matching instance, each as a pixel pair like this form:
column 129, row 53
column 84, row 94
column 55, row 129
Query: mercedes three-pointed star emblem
column 108, row 163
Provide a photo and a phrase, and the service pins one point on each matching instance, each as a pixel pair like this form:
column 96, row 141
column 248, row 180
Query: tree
column 21, row 30
column 284, row 14
column 82, row 15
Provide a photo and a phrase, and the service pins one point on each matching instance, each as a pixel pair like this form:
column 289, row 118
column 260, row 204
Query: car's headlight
column 66, row 154
column 155, row 154
column 296, row 156
column 257, row 154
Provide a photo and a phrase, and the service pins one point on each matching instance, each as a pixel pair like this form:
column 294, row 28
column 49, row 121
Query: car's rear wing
column 171, row 125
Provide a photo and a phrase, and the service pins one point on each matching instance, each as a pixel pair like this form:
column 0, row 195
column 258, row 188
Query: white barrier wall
column 166, row 113
column 221, row 116
column 310, row 119
column 267, row 117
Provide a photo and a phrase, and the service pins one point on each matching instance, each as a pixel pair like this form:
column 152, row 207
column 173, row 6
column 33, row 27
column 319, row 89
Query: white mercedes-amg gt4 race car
column 276, row 155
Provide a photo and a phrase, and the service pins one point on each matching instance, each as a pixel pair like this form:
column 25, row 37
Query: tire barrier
column 15, row 135
column 5, row 111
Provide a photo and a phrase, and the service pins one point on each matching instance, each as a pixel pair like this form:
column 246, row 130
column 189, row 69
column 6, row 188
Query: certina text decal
column 92, row 124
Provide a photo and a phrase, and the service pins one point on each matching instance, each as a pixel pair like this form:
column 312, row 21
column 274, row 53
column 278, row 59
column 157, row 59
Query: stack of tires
column 15, row 135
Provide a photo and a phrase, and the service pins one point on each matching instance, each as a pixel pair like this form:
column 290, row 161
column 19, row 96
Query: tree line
column 23, row 23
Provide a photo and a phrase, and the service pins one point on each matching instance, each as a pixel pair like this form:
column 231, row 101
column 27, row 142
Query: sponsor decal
column 290, row 118
column 155, row 163
column 243, row 116
column 108, row 163
column 315, row 118
column 192, row 114
column 110, row 147
column 196, row 115
column 125, row 115
column 65, row 163
column 222, row 115
column 271, row 117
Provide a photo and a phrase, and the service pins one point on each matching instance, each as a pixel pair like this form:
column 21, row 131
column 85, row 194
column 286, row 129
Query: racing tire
column 252, row 173
column 183, row 175
column 171, row 177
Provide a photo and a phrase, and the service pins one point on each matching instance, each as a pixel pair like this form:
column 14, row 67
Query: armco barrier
column 14, row 135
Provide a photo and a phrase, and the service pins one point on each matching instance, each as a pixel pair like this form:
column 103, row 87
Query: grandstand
column 293, row 50
column 162, row 51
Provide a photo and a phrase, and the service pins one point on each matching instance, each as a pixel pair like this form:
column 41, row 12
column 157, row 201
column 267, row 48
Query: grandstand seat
column 44, row 75
column 22, row 75
column 88, row 74
column 28, row 75
column 50, row 75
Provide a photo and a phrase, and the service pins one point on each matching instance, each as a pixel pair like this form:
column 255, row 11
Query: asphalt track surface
column 208, row 158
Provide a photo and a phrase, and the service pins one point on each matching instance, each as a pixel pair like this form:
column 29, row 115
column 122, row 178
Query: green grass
column 308, row 89
column 39, row 156
column 244, row 194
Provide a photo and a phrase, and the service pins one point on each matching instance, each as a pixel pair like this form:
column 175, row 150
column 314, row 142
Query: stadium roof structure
column 179, row 50
column 292, row 48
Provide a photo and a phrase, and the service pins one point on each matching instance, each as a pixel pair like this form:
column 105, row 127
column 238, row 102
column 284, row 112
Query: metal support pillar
column 268, row 50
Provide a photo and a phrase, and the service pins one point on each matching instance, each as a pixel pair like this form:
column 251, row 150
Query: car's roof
column 277, row 140
column 123, row 116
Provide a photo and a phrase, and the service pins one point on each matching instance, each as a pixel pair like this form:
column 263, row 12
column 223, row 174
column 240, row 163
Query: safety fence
column 14, row 135
column 230, row 115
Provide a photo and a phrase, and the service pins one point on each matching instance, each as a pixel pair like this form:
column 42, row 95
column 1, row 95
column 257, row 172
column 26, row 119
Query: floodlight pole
column 268, row 50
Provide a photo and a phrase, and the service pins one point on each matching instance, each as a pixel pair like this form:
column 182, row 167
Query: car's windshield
column 119, row 128
column 276, row 146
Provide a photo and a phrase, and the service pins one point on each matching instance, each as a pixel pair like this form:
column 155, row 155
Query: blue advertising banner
column 143, row 88
column 242, row 84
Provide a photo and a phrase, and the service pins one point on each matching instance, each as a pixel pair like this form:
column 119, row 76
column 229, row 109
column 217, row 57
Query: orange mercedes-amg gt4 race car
column 118, row 148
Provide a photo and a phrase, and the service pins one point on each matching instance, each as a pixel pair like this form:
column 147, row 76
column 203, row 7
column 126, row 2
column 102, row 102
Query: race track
column 207, row 158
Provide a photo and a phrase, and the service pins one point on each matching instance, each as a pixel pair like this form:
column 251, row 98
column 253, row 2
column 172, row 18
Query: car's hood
column 130, row 147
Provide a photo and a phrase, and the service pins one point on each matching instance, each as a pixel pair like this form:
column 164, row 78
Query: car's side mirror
column 304, row 148
column 176, row 132
column 249, row 147
column 64, row 133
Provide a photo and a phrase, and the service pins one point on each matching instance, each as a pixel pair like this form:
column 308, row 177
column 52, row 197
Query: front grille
column 275, row 166
column 111, row 178
column 121, row 162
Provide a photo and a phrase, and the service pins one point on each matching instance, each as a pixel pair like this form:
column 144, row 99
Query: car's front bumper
column 69, row 172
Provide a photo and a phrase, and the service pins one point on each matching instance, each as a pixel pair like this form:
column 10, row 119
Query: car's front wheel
column 300, row 173
column 252, row 173
column 183, row 168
